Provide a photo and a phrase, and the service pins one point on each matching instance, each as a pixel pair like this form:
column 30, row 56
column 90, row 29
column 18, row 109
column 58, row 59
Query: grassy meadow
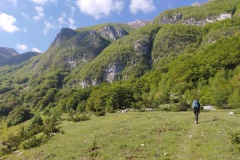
column 142, row 135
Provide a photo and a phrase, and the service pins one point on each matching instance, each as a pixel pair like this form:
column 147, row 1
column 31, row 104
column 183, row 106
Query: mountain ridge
column 6, row 52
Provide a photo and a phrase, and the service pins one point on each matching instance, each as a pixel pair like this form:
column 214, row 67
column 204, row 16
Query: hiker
column 196, row 109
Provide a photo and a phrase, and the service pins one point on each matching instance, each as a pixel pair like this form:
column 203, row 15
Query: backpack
column 195, row 104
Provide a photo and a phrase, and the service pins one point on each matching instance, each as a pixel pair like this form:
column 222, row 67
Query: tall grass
column 142, row 135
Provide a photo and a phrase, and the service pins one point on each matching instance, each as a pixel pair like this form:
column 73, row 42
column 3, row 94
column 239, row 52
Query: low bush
column 79, row 117
column 235, row 140
column 32, row 142
column 235, row 137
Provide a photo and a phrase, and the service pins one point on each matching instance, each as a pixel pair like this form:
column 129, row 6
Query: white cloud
column 98, row 9
column 40, row 13
column 61, row 20
column 42, row 2
column 36, row 50
column 72, row 10
column 25, row 15
column 141, row 5
column 14, row 2
column 7, row 23
column 24, row 30
column 71, row 23
column 48, row 26
column 21, row 47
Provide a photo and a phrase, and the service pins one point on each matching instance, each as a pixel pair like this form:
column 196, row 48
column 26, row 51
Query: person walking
column 196, row 109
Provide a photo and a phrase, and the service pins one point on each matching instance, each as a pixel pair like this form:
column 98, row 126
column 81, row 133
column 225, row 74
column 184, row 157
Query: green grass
column 142, row 135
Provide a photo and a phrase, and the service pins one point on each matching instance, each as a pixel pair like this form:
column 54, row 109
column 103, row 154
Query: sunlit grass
column 142, row 135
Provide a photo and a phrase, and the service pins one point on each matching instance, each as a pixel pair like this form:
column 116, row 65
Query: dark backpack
column 195, row 104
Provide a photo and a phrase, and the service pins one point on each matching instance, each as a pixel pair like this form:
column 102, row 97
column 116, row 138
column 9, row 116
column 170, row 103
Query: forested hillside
column 186, row 53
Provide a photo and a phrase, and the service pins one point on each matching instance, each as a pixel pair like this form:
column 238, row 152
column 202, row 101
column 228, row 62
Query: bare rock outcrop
column 112, row 33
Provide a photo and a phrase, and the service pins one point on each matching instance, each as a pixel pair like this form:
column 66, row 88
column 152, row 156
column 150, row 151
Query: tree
column 234, row 100
column 18, row 115
column 220, row 89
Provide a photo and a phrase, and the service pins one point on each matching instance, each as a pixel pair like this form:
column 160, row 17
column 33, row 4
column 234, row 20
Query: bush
column 32, row 142
column 78, row 118
column 175, row 107
column 183, row 106
column 235, row 137
column 165, row 107
column 99, row 113
column 235, row 140
column 237, row 111
column 18, row 115
column 50, row 127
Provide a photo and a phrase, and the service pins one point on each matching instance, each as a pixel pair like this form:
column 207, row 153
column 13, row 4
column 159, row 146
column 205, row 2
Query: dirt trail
column 209, row 139
column 185, row 151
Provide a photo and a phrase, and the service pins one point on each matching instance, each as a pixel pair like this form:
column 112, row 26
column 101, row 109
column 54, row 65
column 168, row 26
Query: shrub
column 50, row 127
column 165, row 107
column 235, row 137
column 32, row 142
column 99, row 113
column 78, row 118
column 18, row 115
column 235, row 140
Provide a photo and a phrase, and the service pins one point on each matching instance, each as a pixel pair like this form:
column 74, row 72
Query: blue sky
column 32, row 25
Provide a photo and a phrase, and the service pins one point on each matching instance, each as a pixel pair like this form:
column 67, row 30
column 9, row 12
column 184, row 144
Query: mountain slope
column 6, row 53
column 125, row 58
column 17, row 59
column 200, row 15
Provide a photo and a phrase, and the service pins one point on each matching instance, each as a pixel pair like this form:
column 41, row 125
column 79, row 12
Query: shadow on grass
column 213, row 120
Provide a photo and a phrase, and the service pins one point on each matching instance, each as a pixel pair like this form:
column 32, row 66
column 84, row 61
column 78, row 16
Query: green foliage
column 18, row 115
column 210, row 10
column 174, row 39
column 153, row 66
column 32, row 142
column 235, row 140
column 33, row 135
column 4, row 89
column 35, row 125
column 74, row 101
column 220, row 89
column 109, row 98
column 6, row 108
column 47, row 99
column 139, row 134
column 129, row 61
column 79, row 117
column 235, row 137
column 50, row 127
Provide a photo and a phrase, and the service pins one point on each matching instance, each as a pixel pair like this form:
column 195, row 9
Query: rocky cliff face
column 77, row 48
column 72, row 49
column 178, row 18
column 111, row 32
column 139, row 23
column 127, row 56
column 142, row 46
column 199, row 14
column 64, row 34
